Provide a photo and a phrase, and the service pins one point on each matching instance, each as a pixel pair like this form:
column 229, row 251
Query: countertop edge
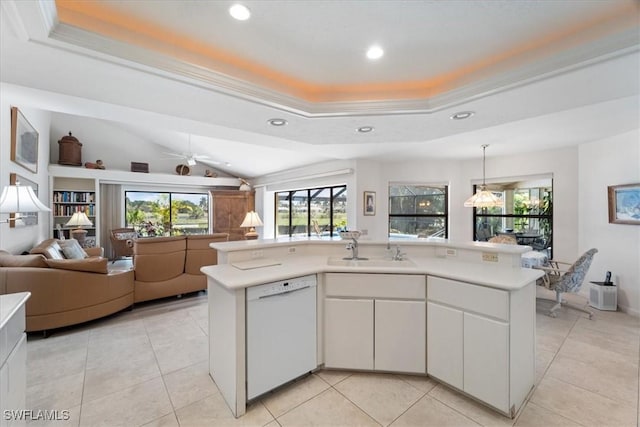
column 517, row 277
column 17, row 300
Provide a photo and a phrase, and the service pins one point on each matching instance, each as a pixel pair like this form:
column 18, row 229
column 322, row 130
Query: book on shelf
column 69, row 210
column 73, row 197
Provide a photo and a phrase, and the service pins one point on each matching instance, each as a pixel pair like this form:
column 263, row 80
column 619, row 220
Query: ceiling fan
column 192, row 158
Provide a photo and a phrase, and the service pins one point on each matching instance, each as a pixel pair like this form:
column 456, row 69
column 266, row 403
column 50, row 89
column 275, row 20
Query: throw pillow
column 72, row 249
column 8, row 260
column 49, row 248
column 91, row 265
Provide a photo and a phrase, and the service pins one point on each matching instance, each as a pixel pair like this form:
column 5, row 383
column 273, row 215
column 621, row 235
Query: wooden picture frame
column 624, row 204
column 23, row 219
column 369, row 206
column 24, row 141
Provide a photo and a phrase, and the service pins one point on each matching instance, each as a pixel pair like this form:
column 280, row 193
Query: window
column 527, row 214
column 164, row 214
column 418, row 211
column 316, row 211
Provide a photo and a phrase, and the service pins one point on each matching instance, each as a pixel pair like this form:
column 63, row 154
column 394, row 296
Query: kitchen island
column 463, row 313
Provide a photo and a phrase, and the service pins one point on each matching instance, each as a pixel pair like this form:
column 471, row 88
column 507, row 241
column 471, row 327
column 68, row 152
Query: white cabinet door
column 13, row 382
column 445, row 344
column 486, row 360
column 400, row 336
column 348, row 333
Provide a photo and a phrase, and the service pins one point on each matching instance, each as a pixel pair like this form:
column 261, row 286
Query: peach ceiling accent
column 98, row 18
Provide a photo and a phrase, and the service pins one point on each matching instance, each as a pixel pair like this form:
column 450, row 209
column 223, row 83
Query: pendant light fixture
column 483, row 197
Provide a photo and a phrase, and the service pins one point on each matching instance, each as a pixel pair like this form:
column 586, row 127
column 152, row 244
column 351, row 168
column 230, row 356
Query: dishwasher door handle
column 284, row 293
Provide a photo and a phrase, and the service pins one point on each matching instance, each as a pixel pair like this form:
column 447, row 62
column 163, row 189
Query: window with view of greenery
column 167, row 214
column 527, row 214
column 418, row 210
column 318, row 212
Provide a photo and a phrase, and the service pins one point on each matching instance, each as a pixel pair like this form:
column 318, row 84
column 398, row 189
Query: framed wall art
column 624, row 204
column 369, row 203
column 23, row 219
column 24, row 141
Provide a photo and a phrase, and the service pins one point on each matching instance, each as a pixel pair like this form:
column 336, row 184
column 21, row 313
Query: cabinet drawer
column 468, row 297
column 405, row 286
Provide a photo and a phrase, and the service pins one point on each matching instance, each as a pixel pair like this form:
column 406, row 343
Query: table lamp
column 251, row 220
column 17, row 198
column 79, row 219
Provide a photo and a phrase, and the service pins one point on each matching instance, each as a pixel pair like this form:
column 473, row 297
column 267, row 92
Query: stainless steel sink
column 370, row 262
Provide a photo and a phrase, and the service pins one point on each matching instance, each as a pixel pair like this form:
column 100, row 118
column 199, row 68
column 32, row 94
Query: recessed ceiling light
column 365, row 129
column 240, row 12
column 462, row 115
column 277, row 122
column 375, row 52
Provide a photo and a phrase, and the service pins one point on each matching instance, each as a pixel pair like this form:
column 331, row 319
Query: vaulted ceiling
column 536, row 74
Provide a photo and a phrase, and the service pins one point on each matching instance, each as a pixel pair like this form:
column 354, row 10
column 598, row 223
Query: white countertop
column 9, row 304
column 243, row 245
column 485, row 274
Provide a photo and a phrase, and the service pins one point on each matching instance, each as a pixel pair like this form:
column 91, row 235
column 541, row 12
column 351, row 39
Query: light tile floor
column 148, row 367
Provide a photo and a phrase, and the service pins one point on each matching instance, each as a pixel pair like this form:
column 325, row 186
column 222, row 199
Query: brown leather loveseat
column 64, row 291
column 167, row 266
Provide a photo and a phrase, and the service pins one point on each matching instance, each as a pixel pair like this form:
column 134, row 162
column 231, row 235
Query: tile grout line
column 298, row 405
column 451, row 407
column 84, row 376
column 417, row 400
column 155, row 356
column 544, row 374
column 355, row 404
column 562, row 381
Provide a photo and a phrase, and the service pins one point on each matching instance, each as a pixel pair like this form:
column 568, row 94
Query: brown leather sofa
column 64, row 292
column 168, row 266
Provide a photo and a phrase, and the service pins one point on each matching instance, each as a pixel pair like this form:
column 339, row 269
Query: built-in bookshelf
column 83, row 180
column 72, row 195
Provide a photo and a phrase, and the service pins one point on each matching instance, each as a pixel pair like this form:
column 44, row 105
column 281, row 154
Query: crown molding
column 43, row 26
column 13, row 18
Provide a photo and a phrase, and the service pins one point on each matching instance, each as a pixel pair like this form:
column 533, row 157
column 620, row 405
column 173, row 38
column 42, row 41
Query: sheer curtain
column 110, row 214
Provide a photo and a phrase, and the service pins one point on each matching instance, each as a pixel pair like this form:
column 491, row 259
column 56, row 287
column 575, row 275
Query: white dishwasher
column 281, row 333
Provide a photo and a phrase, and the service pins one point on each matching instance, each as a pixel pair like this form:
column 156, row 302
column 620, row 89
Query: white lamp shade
column 483, row 199
column 79, row 219
column 19, row 198
column 252, row 219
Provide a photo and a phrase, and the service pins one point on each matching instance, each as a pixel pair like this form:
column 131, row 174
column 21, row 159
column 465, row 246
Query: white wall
column 368, row 177
column 116, row 147
column 460, row 176
column 19, row 239
column 611, row 161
